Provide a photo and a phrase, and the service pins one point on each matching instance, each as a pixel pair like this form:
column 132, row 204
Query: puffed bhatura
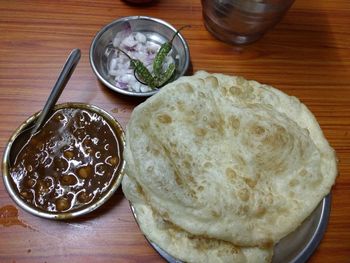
column 219, row 169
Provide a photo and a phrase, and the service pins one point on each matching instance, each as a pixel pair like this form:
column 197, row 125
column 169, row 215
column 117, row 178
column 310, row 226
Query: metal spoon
column 23, row 137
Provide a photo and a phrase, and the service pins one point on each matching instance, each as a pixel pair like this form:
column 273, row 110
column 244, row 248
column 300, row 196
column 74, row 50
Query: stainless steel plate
column 297, row 247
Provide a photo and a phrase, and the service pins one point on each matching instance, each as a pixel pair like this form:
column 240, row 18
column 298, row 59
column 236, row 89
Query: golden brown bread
column 228, row 159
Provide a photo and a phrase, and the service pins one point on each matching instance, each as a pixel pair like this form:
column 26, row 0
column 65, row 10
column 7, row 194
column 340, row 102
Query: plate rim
column 302, row 257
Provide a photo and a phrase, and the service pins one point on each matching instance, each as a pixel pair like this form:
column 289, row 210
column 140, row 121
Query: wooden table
column 307, row 55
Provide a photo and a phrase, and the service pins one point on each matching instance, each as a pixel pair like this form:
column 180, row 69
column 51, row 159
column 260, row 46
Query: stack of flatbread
column 219, row 169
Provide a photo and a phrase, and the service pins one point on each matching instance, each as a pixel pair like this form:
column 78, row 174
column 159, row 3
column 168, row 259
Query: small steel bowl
column 13, row 192
column 156, row 31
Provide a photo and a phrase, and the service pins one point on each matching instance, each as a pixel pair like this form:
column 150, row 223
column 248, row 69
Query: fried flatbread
column 181, row 244
column 228, row 159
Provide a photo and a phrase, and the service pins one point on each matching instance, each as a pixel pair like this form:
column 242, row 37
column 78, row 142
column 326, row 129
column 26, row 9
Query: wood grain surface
column 306, row 55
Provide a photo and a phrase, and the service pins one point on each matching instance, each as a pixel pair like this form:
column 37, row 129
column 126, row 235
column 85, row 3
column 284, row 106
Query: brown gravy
column 69, row 163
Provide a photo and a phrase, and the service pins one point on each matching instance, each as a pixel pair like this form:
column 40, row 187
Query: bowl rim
column 126, row 19
column 120, row 135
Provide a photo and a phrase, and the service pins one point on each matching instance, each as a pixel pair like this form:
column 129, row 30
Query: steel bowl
column 115, row 181
column 156, row 31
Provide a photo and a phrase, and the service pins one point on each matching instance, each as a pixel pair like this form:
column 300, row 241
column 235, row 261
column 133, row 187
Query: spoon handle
column 61, row 82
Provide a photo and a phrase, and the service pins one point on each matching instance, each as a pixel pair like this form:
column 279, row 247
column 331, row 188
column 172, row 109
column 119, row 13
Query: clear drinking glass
column 242, row 21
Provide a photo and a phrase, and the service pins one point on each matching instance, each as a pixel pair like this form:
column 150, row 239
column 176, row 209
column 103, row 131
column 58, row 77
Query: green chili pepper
column 161, row 80
column 162, row 53
column 143, row 75
column 140, row 71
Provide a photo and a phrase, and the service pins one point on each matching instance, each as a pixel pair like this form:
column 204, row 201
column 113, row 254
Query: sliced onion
column 136, row 45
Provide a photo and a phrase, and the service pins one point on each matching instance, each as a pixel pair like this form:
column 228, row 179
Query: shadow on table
column 141, row 3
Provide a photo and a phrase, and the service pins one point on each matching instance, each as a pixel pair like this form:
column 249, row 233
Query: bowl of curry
column 71, row 166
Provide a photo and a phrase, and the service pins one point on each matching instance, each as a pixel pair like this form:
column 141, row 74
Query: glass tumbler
column 242, row 21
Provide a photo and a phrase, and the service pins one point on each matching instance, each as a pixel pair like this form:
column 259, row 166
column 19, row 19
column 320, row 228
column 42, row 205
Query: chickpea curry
column 69, row 163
